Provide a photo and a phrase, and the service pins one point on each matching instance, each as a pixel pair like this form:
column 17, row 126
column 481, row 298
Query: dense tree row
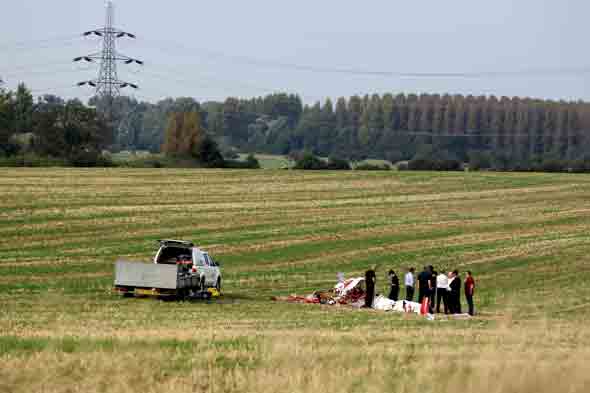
column 394, row 127
column 398, row 127
column 51, row 127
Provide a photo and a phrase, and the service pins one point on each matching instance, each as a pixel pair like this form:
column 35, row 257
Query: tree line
column 67, row 131
column 430, row 129
column 403, row 126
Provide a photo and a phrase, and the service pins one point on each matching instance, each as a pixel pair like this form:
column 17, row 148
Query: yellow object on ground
column 214, row 292
column 145, row 292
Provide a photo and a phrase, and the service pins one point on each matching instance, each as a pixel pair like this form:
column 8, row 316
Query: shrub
column 372, row 167
column 425, row 164
column 9, row 149
column 208, row 154
column 157, row 164
column 338, row 164
column 581, row 165
column 479, row 160
column 310, row 162
column 89, row 159
column 554, row 165
column 253, row 161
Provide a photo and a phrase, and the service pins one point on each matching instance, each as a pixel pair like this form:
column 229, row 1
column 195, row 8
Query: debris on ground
column 351, row 292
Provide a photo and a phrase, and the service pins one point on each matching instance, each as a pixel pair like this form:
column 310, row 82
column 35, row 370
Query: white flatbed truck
column 179, row 270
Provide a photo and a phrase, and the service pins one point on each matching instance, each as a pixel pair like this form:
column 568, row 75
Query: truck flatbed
column 150, row 278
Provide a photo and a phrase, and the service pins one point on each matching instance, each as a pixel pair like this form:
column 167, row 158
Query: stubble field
column 525, row 237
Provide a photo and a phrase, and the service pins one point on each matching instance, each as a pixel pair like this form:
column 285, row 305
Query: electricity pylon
column 108, row 85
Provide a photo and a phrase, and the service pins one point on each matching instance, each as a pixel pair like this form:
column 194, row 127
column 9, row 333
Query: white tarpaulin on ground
column 384, row 304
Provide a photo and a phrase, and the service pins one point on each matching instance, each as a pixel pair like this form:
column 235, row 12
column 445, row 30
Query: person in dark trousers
column 370, row 281
column 394, row 282
column 442, row 291
column 409, row 283
column 424, row 284
column 469, row 291
column 433, row 275
column 455, row 295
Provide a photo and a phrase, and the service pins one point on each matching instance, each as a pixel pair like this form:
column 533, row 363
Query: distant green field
column 269, row 161
column 525, row 236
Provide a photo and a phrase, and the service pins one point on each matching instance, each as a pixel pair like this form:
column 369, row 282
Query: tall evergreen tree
column 23, row 109
column 341, row 114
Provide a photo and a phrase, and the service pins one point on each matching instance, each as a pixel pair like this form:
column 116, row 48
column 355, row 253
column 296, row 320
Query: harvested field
column 526, row 237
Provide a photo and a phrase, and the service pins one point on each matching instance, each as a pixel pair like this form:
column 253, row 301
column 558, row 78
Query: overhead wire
column 171, row 74
column 60, row 70
column 530, row 71
column 172, row 77
column 43, row 65
column 41, row 41
column 42, row 91
column 65, row 44
column 249, row 85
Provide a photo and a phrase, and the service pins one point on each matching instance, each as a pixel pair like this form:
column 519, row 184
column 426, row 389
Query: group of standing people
column 440, row 288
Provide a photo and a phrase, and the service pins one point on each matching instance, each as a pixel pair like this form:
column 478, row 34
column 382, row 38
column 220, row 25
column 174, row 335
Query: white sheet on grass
column 384, row 304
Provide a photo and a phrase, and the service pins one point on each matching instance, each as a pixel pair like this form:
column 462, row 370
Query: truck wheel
column 203, row 286
column 218, row 284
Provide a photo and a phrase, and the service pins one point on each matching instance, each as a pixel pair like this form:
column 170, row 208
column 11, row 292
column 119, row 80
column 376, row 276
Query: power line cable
column 34, row 66
column 42, row 41
column 169, row 77
column 52, row 90
column 175, row 71
column 60, row 70
column 526, row 72
column 35, row 48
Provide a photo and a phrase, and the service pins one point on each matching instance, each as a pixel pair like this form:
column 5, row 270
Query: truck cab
column 194, row 261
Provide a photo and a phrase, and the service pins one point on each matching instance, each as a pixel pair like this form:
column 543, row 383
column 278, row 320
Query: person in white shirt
column 442, row 290
column 409, row 283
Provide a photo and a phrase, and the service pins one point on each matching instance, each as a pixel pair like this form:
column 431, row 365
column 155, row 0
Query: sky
column 317, row 49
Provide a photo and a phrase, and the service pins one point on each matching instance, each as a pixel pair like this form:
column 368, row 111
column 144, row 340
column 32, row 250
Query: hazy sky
column 214, row 49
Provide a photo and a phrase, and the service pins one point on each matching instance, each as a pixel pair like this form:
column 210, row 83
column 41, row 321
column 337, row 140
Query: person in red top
column 469, row 290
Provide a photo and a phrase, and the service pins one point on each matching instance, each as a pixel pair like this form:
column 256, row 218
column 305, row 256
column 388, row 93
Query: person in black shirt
column 370, row 281
column 394, row 282
column 424, row 284
column 455, row 295
column 433, row 275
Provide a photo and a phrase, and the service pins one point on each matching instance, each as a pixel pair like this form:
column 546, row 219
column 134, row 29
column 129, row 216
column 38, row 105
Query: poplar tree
column 173, row 134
